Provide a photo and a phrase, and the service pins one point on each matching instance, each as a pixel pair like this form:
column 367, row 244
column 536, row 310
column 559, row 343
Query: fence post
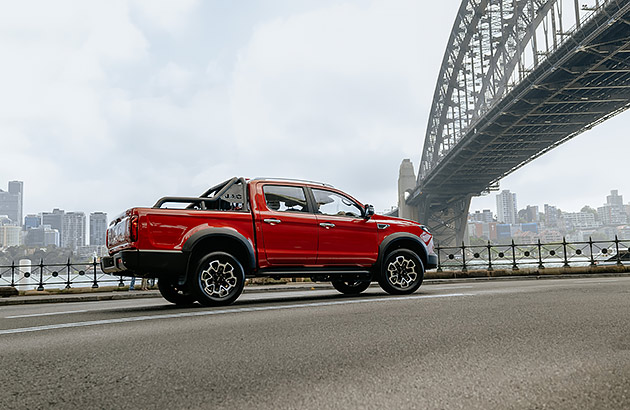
column 590, row 245
column 13, row 274
column 540, row 263
column 564, row 249
column 490, row 257
column 68, row 273
column 617, row 249
column 437, row 249
column 464, row 269
column 41, row 275
column 514, row 266
column 95, row 284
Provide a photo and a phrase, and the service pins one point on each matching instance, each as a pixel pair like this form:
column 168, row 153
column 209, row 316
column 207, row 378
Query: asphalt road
column 532, row 344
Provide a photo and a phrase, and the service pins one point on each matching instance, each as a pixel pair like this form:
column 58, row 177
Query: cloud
column 336, row 94
column 167, row 15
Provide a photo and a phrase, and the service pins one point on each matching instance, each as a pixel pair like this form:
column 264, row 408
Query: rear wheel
column 174, row 293
column 218, row 279
column 402, row 272
column 353, row 287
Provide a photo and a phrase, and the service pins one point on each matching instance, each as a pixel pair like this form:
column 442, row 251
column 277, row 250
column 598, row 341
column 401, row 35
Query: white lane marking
column 436, row 287
column 222, row 311
column 47, row 314
column 580, row 281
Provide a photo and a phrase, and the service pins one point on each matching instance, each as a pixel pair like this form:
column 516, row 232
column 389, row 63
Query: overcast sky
column 105, row 105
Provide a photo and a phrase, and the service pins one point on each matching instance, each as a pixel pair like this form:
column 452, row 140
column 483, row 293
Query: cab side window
column 331, row 203
column 285, row 198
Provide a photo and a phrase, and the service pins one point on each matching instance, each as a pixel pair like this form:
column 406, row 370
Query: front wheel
column 402, row 272
column 218, row 279
column 353, row 287
column 172, row 292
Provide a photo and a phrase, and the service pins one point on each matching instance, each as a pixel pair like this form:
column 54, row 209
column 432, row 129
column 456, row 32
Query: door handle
column 272, row 221
column 327, row 225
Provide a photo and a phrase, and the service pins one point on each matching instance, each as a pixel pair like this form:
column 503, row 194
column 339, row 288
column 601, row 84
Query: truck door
column 345, row 237
column 289, row 228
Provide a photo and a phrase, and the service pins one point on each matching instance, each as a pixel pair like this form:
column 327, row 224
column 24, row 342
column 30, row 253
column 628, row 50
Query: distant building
column 32, row 221
column 506, row 207
column 550, row 235
column 530, row 214
column 54, row 219
column 73, row 230
column 42, row 235
column 613, row 213
column 483, row 216
column 553, row 217
column 579, row 220
column 11, row 202
column 98, row 228
column 504, row 232
column 10, row 235
column 530, row 227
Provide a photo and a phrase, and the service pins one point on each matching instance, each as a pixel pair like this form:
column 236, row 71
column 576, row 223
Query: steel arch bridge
column 518, row 78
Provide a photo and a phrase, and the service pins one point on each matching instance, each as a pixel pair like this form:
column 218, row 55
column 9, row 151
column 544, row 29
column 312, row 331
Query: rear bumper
column 144, row 263
column 432, row 261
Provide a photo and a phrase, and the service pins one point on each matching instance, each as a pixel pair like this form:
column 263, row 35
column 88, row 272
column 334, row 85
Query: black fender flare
column 197, row 237
column 396, row 237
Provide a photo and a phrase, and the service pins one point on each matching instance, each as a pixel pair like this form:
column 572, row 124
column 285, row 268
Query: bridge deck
column 584, row 82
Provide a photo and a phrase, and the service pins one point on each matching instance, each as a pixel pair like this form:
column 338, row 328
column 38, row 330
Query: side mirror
column 369, row 211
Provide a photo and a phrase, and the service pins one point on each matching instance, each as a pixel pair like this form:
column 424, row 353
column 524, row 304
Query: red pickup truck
column 203, row 248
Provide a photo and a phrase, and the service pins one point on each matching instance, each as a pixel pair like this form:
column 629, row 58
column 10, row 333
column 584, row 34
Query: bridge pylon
column 446, row 218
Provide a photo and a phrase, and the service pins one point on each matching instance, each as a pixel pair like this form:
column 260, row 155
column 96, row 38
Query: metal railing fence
column 534, row 255
column 57, row 275
column 41, row 276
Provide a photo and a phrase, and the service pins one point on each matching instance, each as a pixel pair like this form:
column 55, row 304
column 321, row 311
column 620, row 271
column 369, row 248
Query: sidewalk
column 113, row 293
column 91, row 295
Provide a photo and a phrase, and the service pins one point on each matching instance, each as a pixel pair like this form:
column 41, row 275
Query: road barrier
column 28, row 275
column 534, row 255
column 40, row 276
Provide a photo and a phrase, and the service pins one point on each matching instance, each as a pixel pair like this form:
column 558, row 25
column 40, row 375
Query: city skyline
column 60, row 228
column 158, row 105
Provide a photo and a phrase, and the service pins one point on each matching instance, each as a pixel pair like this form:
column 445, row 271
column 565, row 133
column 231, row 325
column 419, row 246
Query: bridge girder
column 491, row 115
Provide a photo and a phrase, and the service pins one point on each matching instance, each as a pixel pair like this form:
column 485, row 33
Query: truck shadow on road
column 261, row 299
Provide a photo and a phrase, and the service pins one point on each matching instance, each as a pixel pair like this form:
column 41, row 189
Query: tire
column 350, row 287
column 402, row 272
column 218, row 279
column 174, row 293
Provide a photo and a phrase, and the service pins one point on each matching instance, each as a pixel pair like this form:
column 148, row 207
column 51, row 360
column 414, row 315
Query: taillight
column 107, row 239
column 134, row 228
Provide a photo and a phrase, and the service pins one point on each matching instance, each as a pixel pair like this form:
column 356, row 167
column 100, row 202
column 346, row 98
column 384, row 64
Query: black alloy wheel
column 402, row 272
column 172, row 292
column 353, row 287
column 218, row 279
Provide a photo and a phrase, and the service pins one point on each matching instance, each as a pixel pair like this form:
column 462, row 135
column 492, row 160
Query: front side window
column 334, row 204
column 285, row 198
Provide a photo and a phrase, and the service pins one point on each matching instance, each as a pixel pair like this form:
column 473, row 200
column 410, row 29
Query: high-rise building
column 531, row 214
column 10, row 235
column 54, row 219
column 553, row 217
column 613, row 212
column 73, row 230
column 506, row 207
column 98, row 228
column 11, row 202
column 32, row 221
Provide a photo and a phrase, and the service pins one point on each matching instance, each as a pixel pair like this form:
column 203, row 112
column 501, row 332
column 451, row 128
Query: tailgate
column 118, row 233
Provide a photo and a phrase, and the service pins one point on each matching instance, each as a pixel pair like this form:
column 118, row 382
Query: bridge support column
column 406, row 185
column 447, row 220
